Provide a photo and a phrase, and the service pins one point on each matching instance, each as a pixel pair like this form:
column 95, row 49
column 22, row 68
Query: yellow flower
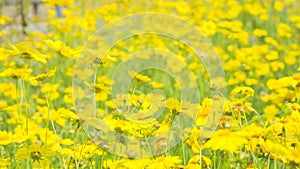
column 208, row 28
column 63, row 49
column 35, row 152
column 242, row 93
column 276, row 65
column 65, row 113
column 5, row 138
column 139, row 77
column 51, row 91
column 4, row 54
column 98, row 88
column 34, row 80
column 24, row 50
column 251, row 82
column 260, row 32
column 276, row 84
column 270, row 112
column 67, row 142
column 53, row 3
column 157, row 85
column 16, row 73
column 4, row 19
column 101, row 91
column 284, row 30
column 194, row 162
column 279, row 5
column 8, row 90
column 136, row 163
column 176, row 64
column 173, row 105
column 105, row 80
column 273, row 55
column 91, row 149
column 4, row 162
column 226, row 140
column 164, row 162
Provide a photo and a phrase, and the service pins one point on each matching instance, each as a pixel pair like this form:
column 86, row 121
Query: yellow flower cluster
column 257, row 41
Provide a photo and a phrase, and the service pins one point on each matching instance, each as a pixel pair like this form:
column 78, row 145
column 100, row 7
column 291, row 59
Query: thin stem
column 183, row 152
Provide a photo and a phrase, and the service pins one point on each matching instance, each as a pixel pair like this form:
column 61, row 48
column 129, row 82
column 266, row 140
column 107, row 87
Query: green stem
column 74, row 141
column 183, row 152
column 215, row 158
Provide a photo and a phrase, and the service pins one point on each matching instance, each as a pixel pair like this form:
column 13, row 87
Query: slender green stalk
column 183, row 152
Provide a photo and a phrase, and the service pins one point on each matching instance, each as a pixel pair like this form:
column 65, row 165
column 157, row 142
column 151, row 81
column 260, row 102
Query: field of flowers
column 150, row 102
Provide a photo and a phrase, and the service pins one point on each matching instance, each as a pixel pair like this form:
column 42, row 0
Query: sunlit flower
column 35, row 152
column 139, row 77
column 17, row 73
column 62, row 49
column 34, row 80
column 24, row 49
column 226, row 140
column 5, row 138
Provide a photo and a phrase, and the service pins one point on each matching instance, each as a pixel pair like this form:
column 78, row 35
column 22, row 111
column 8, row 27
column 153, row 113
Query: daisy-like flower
column 16, row 73
column 157, row 85
column 35, row 152
column 226, row 140
column 5, row 138
column 173, row 105
column 25, row 50
column 51, row 90
column 4, row 162
column 63, row 49
column 34, row 80
column 164, row 162
column 102, row 91
column 244, row 92
column 139, row 77
column 208, row 28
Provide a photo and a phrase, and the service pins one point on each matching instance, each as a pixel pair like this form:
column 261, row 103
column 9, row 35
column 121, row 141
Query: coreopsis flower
column 279, row 5
column 53, row 3
column 136, row 163
column 35, row 80
column 242, row 93
column 5, row 138
column 4, row 162
column 176, row 64
column 68, row 97
column 36, row 154
column 65, row 113
column 203, row 112
column 4, row 53
column 227, row 140
column 63, row 49
column 105, row 61
column 16, row 73
column 272, row 55
column 270, row 113
column 51, row 91
column 260, row 32
column 194, row 162
column 173, row 105
column 127, row 163
column 284, row 30
column 208, row 28
column 157, row 85
column 164, row 162
column 24, row 49
column 102, row 91
column 8, row 90
column 139, row 77
column 5, row 19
